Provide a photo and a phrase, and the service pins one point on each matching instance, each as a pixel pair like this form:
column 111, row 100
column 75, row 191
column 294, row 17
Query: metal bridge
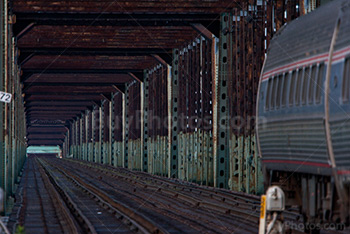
column 164, row 87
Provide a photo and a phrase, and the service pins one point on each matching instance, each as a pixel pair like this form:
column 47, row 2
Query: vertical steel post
column 5, row 80
column 76, row 123
column 100, row 129
column 86, row 128
column 173, row 96
column 81, row 149
column 112, row 133
column 144, row 120
column 87, row 135
column 71, row 151
column 93, row 135
column 68, row 142
column 222, row 136
column 110, row 130
column 125, row 126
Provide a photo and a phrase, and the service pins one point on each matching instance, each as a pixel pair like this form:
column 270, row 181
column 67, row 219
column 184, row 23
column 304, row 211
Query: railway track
column 226, row 201
column 170, row 207
column 91, row 208
column 42, row 210
column 83, row 197
column 53, row 202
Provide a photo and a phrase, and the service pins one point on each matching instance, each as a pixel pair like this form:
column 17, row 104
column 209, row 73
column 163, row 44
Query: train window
column 319, row 84
column 279, row 90
column 312, row 84
column 292, row 87
column 268, row 94
column 346, row 81
column 273, row 93
column 285, row 88
column 306, row 79
column 298, row 87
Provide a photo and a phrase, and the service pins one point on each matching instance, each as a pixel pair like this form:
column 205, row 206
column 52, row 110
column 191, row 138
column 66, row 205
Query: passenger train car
column 303, row 122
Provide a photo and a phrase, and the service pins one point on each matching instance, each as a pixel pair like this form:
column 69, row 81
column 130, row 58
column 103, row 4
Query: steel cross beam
column 81, row 71
column 94, row 51
column 111, row 19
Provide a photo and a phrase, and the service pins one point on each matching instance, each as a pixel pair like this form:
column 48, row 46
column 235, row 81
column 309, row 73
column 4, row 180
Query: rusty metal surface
column 243, row 53
column 124, row 7
column 195, row 111
column 88, row 62
column 157, row 120
column 44, row 36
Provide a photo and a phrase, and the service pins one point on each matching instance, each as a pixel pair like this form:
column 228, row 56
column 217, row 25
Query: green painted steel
column 144, row 119
column 173, row 91
column 102, row 132
column 12, row 119
column 222, row 157
column 93, row 143
column 134, row 154
column 125, row 127
column 112, row 137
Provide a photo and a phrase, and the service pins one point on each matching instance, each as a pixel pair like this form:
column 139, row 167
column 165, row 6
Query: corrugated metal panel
column 296, row 140
column 294, row 42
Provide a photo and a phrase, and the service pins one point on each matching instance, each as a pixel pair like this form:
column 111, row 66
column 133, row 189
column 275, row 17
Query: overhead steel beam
column 25, row 30
column 42, row 128
column 127, row 8
column 25, row 58
column 45, row 142
column 136, row 76
column 203, row 31
column 86, row 71
column 165, row 62
column 40, row 134
column 58, row 103
column 78, row 78
column 46, row 138
column 110, row 19
column 52, row 111
column 107, row 96
column 79, row 84
column 95, row 51
column 55, row 108
column 63, row 98
column 120, row 88
column 92, row 95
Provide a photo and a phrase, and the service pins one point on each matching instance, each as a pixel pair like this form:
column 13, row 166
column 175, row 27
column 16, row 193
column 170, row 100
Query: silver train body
column 303, row 113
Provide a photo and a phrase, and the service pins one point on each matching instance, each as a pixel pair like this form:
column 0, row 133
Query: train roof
column 307, row 36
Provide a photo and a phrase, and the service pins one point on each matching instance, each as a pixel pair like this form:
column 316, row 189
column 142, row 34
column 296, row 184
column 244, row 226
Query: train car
column 303, row 122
